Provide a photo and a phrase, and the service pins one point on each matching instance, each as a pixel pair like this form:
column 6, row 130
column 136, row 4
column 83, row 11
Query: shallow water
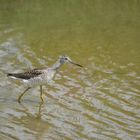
column 100, row 101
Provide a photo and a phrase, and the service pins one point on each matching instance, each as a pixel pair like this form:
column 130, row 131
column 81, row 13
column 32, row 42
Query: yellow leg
column 41, row 94
column 40, row 110
column 19, row 98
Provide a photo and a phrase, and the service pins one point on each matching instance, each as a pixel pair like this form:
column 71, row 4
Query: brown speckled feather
column 27, row 75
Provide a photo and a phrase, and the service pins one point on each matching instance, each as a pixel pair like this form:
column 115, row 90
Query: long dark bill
column 76, row 64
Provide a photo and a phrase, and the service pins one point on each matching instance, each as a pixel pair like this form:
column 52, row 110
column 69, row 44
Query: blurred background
column 100, row 101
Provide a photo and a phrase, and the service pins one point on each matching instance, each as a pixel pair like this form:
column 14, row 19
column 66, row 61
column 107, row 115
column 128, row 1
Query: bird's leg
column 19, row 98
column 39, row 114
column 41, row 94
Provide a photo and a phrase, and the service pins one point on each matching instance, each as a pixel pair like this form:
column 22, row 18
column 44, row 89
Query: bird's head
column 65, row 59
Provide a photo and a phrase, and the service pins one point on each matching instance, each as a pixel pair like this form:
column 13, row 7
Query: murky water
column 100, row 101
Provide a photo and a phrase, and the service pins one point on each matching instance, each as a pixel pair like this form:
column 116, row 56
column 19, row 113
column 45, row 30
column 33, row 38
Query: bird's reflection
column 38, row 113
column 31, row 120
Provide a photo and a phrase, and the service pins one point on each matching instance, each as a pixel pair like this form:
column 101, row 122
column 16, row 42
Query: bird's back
column 34, row 76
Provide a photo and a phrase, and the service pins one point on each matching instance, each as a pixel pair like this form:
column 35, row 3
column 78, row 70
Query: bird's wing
column 26, row 75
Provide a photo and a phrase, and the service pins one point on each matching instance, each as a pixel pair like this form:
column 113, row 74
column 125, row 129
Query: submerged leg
column 19, row 98
column 41, row 94
column 39, row 114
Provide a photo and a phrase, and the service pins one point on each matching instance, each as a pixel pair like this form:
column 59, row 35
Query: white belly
column 40, row 80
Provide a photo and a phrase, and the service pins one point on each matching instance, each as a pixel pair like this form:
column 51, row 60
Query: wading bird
column 40, row 76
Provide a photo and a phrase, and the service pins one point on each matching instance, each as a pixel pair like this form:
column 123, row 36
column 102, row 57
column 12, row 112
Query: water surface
column 99, row 101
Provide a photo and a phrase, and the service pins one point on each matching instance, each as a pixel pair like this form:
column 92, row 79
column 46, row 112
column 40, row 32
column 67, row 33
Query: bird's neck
column 57, row 65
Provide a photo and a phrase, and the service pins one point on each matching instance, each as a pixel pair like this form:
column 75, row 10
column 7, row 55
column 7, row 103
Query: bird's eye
column 66, row 58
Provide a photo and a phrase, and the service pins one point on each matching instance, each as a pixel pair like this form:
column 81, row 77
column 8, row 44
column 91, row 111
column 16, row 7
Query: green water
column 100, row 101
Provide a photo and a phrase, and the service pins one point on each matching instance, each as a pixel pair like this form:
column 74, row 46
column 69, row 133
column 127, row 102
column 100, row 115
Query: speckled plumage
column 26, row 75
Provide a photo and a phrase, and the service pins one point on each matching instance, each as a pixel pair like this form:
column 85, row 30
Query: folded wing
column 26, row 75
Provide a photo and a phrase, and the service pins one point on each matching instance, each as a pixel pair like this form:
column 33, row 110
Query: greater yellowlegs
column 40, row 76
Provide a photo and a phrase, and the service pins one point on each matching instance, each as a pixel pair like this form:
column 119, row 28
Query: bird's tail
column 12, row 75
column 9, row 74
